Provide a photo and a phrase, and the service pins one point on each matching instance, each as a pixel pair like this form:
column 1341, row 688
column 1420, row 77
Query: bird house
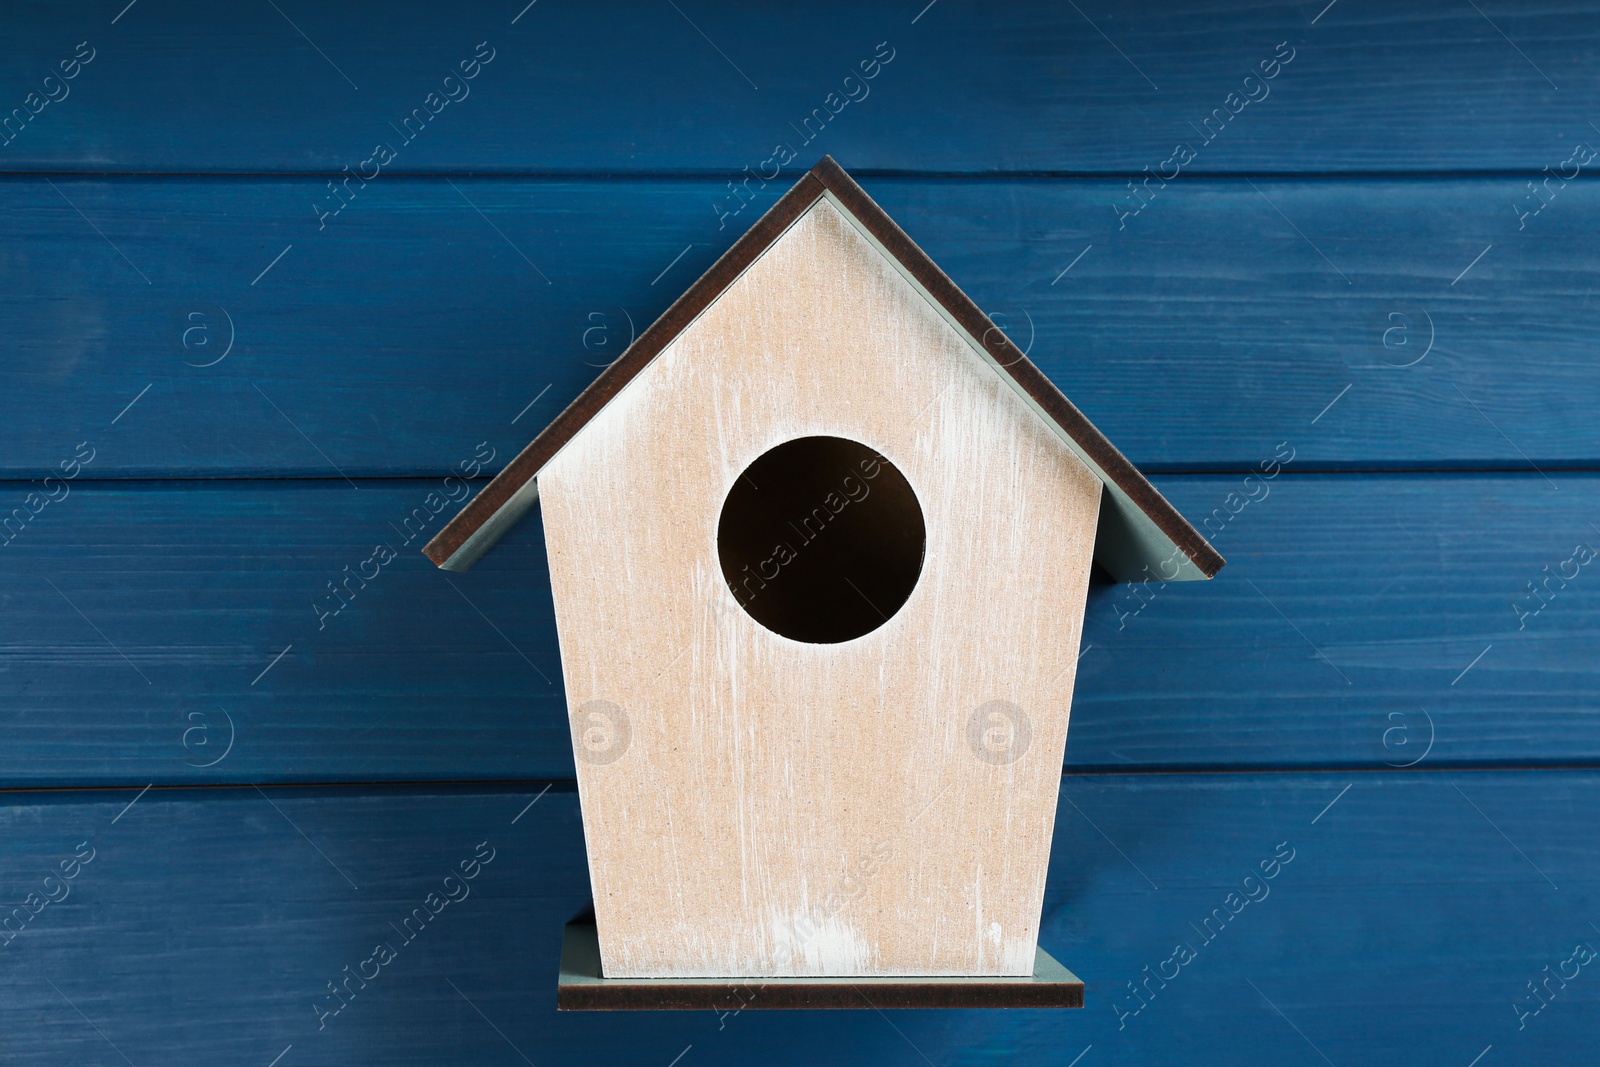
column 819, row 544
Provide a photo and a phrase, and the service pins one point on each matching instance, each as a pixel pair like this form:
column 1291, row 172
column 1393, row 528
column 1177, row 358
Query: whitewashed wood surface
column 758, row 806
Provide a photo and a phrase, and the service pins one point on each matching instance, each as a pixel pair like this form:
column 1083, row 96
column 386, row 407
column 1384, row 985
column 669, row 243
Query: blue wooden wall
column 1361, row 254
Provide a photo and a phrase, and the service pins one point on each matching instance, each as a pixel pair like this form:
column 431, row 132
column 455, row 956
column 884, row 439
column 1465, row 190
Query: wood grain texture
column 202, row 585
column 775, row 807
column 641, row 87
column 208, row 907
column 1197, row 338
column 1395, row 150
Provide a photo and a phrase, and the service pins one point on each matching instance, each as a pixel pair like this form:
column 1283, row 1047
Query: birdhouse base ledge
column 582, row 987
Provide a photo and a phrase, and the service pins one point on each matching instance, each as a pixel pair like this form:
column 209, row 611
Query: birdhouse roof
column 1140, row 537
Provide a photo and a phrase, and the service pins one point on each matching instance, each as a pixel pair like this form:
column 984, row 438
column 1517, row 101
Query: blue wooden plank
column 148, row 625
column 713, row 85
column 1380, row 324
column 208, row 925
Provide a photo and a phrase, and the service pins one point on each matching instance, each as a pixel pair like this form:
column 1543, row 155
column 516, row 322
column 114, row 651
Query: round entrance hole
column 821, row 540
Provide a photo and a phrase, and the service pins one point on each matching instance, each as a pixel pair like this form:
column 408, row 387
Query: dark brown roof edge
column 514, row 480
column 516, row 474
column 1010, row 359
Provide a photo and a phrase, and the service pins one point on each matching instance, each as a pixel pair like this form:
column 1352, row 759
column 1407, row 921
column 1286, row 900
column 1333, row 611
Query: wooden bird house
column 820, row 544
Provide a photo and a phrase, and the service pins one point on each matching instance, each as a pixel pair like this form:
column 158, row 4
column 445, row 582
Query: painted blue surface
column 209, row 923
column 1389, row 585
column 639, row 87
column 237, row 392
column 411, row 327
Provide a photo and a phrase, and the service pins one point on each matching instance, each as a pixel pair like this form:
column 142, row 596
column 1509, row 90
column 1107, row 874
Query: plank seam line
column 1151, row 469
column 696, row 175
column 518, row 786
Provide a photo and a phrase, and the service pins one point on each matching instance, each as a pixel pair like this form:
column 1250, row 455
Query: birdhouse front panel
column 819, row 575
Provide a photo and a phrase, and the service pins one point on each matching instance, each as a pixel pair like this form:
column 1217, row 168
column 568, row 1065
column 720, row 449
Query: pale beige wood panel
column 772, row 807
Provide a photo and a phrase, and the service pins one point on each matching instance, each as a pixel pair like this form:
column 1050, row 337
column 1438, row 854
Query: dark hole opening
column 821, row 540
